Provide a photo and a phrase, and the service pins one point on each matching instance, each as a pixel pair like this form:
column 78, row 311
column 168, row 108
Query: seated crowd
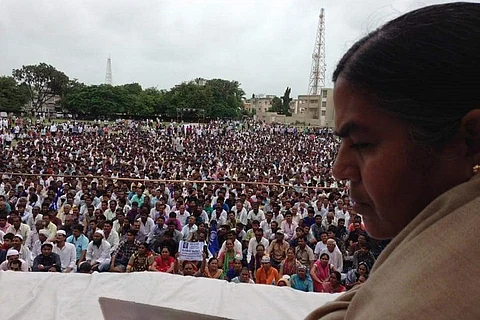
column 301, row 232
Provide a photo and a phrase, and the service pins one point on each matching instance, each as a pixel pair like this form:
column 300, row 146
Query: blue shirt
column 80, row 244
column 302, row 285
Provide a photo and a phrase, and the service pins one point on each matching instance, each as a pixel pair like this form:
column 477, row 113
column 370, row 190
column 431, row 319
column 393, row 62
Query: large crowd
column 120, row 196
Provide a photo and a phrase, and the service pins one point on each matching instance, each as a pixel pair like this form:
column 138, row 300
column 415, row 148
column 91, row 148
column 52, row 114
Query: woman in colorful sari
column 212, row 271
column 227, row 257
column 164, row 262
column 142, row 260
column 290, row 264
column 321, row 271
column 353, row 276
column 333, row 285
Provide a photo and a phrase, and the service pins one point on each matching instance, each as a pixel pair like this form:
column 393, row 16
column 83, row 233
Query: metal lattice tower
column 108, row 74
column 317, row 74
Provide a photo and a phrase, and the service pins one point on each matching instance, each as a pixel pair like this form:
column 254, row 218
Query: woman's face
column 188, row 270
column 333, row 279
column 229, row 245
column 324, row 261
column 391, row 179
column 290, row 254
column 260, row 251
column 165, row 253
column 362, row 269
column 213, row 264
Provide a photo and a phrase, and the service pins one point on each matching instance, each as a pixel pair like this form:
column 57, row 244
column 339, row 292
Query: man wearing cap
column 47, row 261
column 66, row 251
column 278, row 249
column 98, row 252
column 24, row 252
column 14, row 262
column 266, row 274
column 43, row 235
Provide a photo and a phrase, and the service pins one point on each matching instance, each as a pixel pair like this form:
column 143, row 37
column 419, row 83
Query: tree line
column 34, row 85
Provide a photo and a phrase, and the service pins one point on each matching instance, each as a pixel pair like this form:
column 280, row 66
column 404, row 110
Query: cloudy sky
column 265, row 45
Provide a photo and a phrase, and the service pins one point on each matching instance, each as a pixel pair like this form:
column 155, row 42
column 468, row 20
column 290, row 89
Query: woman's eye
column 360, row 145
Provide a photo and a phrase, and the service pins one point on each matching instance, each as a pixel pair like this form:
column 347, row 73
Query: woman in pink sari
column 321, row 271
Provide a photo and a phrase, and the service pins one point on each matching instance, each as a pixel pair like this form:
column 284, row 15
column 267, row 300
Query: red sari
column 163, row 266
column 323, row 273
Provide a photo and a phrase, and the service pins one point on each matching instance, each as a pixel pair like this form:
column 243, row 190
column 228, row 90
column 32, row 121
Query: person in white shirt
column 252, row 244
column 111, row 236
column 189, row 228
column 265, row 224
column 219, row 215
column 43, row 235
column 98, row 253
column 182, row 215
column 66, row 251
column 321, row 245
column 329, row 220
column 255, row 213
column 17, row 227
column 288, row 226
column 34, row 217
column 13, row 258
column 240, row 212
column 237, row 245
column 110, row 212
column 342, row 212
column 336, row 257
column 147, row 225
column 25, row 253
column 244, row 277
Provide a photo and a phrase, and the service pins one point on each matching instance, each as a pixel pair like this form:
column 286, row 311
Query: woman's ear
column 470, row 127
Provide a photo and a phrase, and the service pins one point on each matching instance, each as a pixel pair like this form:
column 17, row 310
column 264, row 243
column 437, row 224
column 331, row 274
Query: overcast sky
column 265, row 45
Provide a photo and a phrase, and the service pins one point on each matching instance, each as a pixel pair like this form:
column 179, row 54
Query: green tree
column 42, row 81
column 286, row 102
column 277, row 105
column 97, row 100
column 13, row 97
column 227, row 99
column 151, row 100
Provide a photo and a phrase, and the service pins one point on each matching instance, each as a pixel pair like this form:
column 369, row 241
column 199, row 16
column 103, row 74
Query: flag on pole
column 213, row 241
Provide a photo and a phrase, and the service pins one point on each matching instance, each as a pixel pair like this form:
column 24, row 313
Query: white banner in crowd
column 190, row 251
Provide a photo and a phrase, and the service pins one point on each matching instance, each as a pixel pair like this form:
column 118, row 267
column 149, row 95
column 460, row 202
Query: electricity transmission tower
column 108, row 73
column 317, row 74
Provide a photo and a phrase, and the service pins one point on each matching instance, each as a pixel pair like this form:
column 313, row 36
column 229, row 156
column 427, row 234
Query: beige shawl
column 431, row 270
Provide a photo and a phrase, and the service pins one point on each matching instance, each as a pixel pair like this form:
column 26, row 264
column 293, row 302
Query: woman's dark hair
column 422, row 67
column 338, row 276
column 211, row 259
column 260, row 245
column 325, row 254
